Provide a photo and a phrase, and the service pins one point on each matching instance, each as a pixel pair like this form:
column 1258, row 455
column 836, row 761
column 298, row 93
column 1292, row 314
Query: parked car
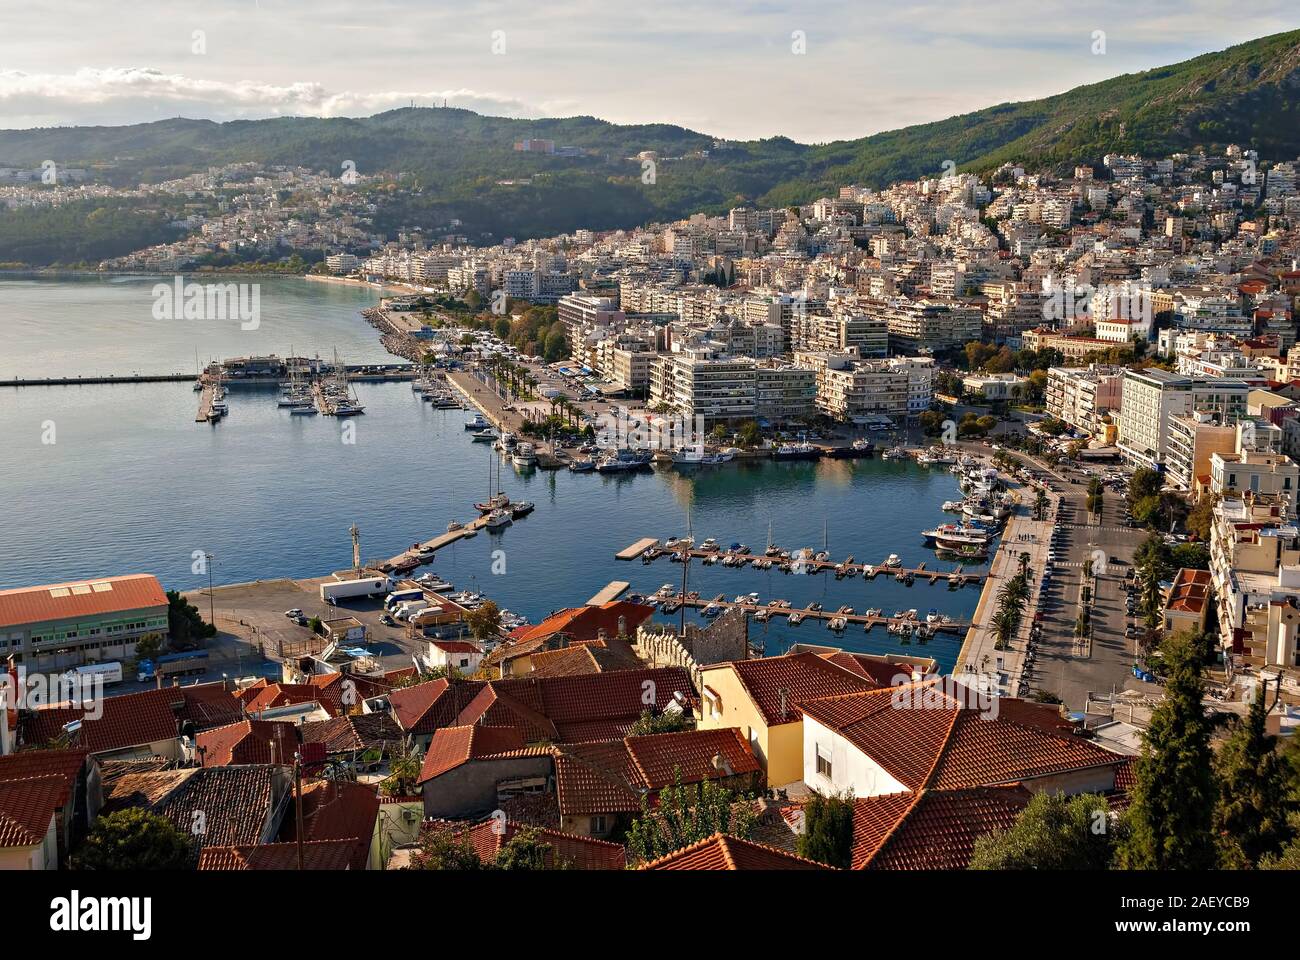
column 293, row 614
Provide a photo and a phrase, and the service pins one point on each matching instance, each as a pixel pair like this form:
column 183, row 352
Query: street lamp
column 212, row 604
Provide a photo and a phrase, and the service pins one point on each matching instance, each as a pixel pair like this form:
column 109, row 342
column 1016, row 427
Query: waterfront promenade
column 979, row 654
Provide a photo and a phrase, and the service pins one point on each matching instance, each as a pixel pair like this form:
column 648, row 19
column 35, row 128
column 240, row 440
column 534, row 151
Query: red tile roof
column 586, row 623
column 881, row 672
column 802, row 676
column 316, row 855
column 248, row 741
column 613, row 776
column 26, row 809
column 424, row 707
column 659, row 756
column 724, row 852
column 453, row 746
column 941, row 743
column 598, row 706
column 334, row 810
column 69, row 765
column 356, row 732
column 129, row 720
column 929, row 829
column 573, row 851
column 80, row 598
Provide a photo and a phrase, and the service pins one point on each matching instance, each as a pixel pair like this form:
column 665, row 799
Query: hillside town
column 1108, row 361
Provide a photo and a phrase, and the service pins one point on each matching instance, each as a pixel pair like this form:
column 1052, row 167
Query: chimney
column 622, row 626
column 6, row 745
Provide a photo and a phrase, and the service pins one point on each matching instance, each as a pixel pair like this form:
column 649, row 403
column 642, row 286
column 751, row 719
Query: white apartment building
column 1152, row 396
column 1273, row 475
column 853, row 389
column 920, row 325
column 1081, row 396
column 1255, row 569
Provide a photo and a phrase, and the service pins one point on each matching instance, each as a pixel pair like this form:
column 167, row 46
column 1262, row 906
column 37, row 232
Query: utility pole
column 356, row 551
column 212, row 603
column 297, row 801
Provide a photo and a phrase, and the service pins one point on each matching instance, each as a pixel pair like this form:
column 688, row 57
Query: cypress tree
column 1171, row 819
column 1253, row 783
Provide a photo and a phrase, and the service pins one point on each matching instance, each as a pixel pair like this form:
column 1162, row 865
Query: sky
column 813, row 72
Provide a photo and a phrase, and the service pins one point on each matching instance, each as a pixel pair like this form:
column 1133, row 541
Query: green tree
column 651, row 721
column 1145, row 482
column 1054, row 832
column 526, row 850
column 184, row 622
column 828, row 830
column 442, row 848
column 557, row 348
column 1253, row 783
column 686, row 815
column 133, row 839
column 485, row 621
column 1201, row 516
column 1171, row 816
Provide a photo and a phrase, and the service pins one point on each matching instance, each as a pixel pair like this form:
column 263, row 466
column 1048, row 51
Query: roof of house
column 355, row 732
column 248, row 741
column 334, row 810
column 939, row 742
column 929, row 829
column 316, row 855
column 587, row 623
column 324, row 689
column 613, row 776
column 1190, row 591
column 802, row 676
column 594, row 656
column 26, row 808
column 588, row 707
column 724, row 852
column 453, row 746
column 881, row 672
column 424, row 707
column 230, row 804
column 68, row 765
column 80, row 598
column 573, row 851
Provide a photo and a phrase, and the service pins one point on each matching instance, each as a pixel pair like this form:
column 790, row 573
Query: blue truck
column 189, row 664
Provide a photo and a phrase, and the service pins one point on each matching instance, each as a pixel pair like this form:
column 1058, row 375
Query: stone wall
column 727, row 638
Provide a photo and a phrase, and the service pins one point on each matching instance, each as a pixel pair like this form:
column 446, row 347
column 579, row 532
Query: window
column 598, row 826
column 824, row 767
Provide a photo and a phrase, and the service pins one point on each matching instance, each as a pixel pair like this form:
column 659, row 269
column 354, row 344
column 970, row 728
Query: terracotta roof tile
column 357, row 732
column 248, row 741
column 929, row 829
column 586, row 623
column 573, row 851
column 802, row 676
column 333, row 810
column 69, row 765
column 724, row 852
column 26, row 808
column 453, row 746
column 80, row 598
column 424, row 707
column 316, row 855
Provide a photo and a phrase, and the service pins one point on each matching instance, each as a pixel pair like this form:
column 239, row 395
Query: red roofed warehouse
column 61, row 625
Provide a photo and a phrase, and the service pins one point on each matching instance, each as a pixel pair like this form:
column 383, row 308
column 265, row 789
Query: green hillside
column 1248, row 94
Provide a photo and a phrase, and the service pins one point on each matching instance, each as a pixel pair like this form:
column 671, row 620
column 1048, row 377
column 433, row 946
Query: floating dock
column 649, row 550
column 205, row 403
column 774, row 609
column 432, row 546
column 612, row 591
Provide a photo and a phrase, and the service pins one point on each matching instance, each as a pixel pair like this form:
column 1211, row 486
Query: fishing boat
column 454, row 525
column 498, row 519
column 524, row 456
column 522, row 508
column 893, row 560
column 624, row 460
column 854, row 450
column 484, row 436
column 797, row 451
column 698, row 455
column 582, row 465
column 895, row 453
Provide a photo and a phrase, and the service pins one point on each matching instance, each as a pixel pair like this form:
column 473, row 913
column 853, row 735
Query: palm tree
column 1040, row 505
column 1024, row 560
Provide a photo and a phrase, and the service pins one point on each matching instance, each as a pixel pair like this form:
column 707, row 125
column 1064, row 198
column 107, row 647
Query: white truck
column 425, row 616
column 346, row 589
column 410, row 609
column 109, row 672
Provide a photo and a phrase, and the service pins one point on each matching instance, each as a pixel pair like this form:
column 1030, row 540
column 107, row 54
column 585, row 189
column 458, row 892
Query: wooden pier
column 649, row 550
column 612, row 591
column 205, row 402
column 774, row 609
column 425, row 550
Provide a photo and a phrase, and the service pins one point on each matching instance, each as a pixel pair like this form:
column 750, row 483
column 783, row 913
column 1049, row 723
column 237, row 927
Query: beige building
column 1253, row 473
column 1082, row 396
column 1193, row 439
column 1255, row 570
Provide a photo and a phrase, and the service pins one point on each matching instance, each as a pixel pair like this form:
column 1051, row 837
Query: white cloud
column 96, row 95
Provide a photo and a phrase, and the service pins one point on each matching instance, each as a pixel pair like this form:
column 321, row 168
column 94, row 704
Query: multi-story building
column 581, row 313
column 1251, row 472
column 1193, row 438
column 61, row 625
column 851, row 388
column 1152, row 396
column 928, row 325
column 1082, row 396
column 1255, row 568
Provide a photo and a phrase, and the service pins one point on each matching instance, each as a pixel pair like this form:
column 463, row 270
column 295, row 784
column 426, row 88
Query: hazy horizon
column 738, row 70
